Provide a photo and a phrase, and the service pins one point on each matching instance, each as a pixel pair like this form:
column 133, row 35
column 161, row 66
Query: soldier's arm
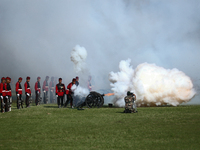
column 134, row 96
column 25, row 87
column 16, row 88
column 56, row 90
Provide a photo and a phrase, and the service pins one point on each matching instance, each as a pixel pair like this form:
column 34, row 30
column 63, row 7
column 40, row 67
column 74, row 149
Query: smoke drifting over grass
column 153, row 85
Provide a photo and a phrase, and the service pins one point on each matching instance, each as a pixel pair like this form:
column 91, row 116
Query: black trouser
column 45, row 97
column 27, row 100
column 60, row 99
column 7, row 104
column 51, row 97
column 69, row 99
column 19, row 98
column 37, row 96
column 2, row 107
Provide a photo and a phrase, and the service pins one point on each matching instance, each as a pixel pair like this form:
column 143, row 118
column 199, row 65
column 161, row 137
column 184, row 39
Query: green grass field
column 46, row 127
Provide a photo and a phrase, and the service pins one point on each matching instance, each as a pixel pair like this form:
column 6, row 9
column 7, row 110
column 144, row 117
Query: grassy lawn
column 47, row 127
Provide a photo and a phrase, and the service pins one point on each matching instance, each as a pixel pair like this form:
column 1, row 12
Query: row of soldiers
column 6, row 94
column 60, row 91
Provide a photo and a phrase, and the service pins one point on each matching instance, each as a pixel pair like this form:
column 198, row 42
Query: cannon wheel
column 94, row 99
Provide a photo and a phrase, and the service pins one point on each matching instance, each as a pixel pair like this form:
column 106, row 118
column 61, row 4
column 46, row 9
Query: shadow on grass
column 50, row 106
column 122, row 112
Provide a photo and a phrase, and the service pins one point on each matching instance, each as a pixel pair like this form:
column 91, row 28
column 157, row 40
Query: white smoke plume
column 153, row 85
column 79, row 91
column 78, row 57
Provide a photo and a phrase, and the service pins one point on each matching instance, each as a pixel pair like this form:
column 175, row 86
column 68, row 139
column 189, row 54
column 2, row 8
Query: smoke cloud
column 78, row 57
column 80, row 91
column 37, row 37
column 153, row 85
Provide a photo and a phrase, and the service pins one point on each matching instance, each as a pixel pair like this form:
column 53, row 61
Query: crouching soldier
column 3, row 94
column 18, row 89
column 37, row 92
column 129, row 102
column 60, row 91
column 27, row 89
column 8, row 94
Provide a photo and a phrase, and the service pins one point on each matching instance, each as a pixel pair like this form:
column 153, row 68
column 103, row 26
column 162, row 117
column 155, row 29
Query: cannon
column 93, row 100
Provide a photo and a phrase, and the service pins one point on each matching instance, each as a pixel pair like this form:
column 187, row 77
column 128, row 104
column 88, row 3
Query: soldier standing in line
column 18, row 89
column 37, row 91
column 45, row 89
column 8, row 94
column 129, row 102
column 70, row 93
column 60, row 91
column 27, row 89
column 52, row 89
column 3, row 94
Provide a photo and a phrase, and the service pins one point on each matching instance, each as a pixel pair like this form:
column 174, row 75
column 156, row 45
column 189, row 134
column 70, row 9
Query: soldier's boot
column 65, row 105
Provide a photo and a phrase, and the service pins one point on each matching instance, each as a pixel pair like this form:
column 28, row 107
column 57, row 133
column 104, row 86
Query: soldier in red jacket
column 18, row 89
column 3, row 94
column 52, row 89
column 37, row 91
column 8, row 94
column 60, row 91
column 27, row 89
column 70, row 93
column 45, row 89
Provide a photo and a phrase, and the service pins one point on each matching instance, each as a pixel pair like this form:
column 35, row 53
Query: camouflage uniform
column 129, row 101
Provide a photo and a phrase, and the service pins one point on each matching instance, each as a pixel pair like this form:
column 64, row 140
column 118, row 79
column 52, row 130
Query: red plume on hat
column 77, row 77
column 3, row 78
column 28, row 78
column 8, row 78
column 20, row 78
column 38, row 78
column 73, row 79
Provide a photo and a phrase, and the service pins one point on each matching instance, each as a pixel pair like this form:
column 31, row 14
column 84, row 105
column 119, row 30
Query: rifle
column 29, row 98
column 20, row 101
column 39, row 97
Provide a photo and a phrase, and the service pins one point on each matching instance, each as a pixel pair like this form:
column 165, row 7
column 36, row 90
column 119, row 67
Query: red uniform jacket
column 3, row 89
column 8, row 89
column 18, row 88
column 52, row 86
column 69, row 91
column 45, row 86
column 27, row 87
column 60, row 89
column 37, row 86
